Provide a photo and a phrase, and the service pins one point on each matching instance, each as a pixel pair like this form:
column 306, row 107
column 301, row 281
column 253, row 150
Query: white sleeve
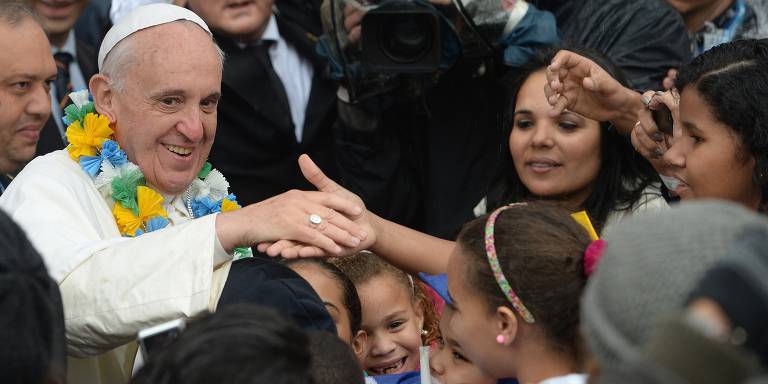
column 113, row 286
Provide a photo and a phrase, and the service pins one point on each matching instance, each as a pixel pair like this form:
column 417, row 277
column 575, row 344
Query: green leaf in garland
column 207, row 167
column 72, row 113
column 242, row 252
column 124, row 189
column 88, row 108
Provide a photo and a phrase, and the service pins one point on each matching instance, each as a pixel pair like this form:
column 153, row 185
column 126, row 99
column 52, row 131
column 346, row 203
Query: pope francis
column 132, row 222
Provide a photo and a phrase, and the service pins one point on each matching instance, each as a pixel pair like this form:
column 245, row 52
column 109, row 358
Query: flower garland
column 137, row 208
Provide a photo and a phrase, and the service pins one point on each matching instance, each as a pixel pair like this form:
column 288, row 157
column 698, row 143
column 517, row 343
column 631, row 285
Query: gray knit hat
column 650, row 265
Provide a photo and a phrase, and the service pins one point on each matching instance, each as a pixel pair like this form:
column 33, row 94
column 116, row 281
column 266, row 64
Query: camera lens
column 406, row 38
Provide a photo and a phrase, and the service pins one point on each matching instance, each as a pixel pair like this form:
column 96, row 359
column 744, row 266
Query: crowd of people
column 225, row 191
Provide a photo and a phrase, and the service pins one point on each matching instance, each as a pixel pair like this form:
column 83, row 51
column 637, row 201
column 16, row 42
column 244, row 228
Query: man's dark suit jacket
column 50, row 138
column 255, row 145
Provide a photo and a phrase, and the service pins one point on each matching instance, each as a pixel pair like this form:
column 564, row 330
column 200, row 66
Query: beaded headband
column 591, row 256
column 493, row 260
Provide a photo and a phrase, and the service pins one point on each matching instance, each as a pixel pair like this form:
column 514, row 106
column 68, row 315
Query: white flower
column 80, row 98
column 199, row 189
column 103, row 180
column 218, row 185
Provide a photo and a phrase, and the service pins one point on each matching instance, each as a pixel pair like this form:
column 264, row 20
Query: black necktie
column 63, row 83
column 262, row 53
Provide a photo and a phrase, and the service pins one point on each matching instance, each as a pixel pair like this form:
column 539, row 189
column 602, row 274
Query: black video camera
column 401, row 36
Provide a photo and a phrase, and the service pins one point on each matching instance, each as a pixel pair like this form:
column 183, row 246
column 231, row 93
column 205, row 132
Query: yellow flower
column 85, row 138
column 150, row 205
column 228, row 205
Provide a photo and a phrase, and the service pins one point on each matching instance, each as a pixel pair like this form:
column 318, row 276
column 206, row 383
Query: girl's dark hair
column 732, row 79
column 351, row 299
column 365, row 265
column 541, row 252
column 623, row 174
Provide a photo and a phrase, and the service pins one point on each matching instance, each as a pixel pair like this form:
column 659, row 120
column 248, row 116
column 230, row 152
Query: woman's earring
column 424, row 332
column 500, row 339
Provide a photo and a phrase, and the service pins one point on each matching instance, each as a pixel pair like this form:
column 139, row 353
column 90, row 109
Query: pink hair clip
column 493, row 260
column 592, row 256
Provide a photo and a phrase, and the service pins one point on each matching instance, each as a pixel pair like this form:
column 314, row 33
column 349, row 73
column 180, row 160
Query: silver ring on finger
column 315, row 220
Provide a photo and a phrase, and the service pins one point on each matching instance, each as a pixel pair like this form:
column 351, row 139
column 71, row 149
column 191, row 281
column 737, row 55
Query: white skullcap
column 144, row 17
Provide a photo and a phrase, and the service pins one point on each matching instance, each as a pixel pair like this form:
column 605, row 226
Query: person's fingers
column 352, row 17
column 332, row 226
column 559, row 107
column 642, row 140
column 312, row 236
column 276, row 249
column 262, row 247
column 315, row 175
column 347, row 226
column 354, row 35
column 307, row 251
column 340, row 204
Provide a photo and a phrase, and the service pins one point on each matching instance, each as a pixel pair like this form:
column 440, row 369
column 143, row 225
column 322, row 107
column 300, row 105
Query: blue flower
column 112, row 152
column 156, row 223
column 91, row 164
column 205, row 206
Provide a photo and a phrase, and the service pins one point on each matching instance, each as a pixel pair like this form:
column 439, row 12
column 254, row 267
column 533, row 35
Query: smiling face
column 25, row 105
column 450, row 365
column 332, row 295
column 165, row 117
column 243, row 19
column 706, row 156
column 393, row 325
column 58, row 16
column 555, row 158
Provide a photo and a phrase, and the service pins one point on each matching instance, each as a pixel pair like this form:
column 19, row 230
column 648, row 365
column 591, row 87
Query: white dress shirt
column 76, row 77
column 294, row 71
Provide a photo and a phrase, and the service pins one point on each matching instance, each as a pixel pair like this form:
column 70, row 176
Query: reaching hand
column 646, row 137
column 289, row 248
column 578, row 84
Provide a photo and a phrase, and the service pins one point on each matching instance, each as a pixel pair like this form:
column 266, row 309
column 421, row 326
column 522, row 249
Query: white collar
column 69, row 45
column 271, row 32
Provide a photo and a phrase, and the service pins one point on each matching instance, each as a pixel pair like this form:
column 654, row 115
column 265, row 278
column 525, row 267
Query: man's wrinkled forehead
column 145, row 17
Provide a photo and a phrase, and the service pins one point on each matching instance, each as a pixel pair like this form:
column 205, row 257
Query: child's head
column 722, row 148
column 337, row 292
column 240, row 343
column 398, row 316
column 539, row 249
column 583, row 163
column 449, row 364
column 333, row 362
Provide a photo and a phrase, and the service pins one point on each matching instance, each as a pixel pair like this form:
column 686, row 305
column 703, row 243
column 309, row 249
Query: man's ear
column 506, row 325
column 359, row 345
column 103, row 93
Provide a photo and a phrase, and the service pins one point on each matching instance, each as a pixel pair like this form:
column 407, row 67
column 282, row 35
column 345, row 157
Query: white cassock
column 112, row 286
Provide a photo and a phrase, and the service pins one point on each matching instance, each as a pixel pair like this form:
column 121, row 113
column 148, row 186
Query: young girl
column 398, row 315
column 515, row 279
column 720, row 144
column 580, row 163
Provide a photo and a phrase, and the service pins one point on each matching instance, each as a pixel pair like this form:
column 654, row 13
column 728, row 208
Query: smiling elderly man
column 132, row 222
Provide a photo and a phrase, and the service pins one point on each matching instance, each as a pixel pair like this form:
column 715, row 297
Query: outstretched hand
column 291, row 249
column 578, row 84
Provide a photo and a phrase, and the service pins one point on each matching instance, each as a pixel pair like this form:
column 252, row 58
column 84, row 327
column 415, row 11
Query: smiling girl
column 398, row 316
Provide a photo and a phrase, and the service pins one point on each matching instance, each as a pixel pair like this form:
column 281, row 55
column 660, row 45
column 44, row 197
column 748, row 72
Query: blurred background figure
column 238, row 344
column 75, row 64
column 32, row 343
column 276, row 101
